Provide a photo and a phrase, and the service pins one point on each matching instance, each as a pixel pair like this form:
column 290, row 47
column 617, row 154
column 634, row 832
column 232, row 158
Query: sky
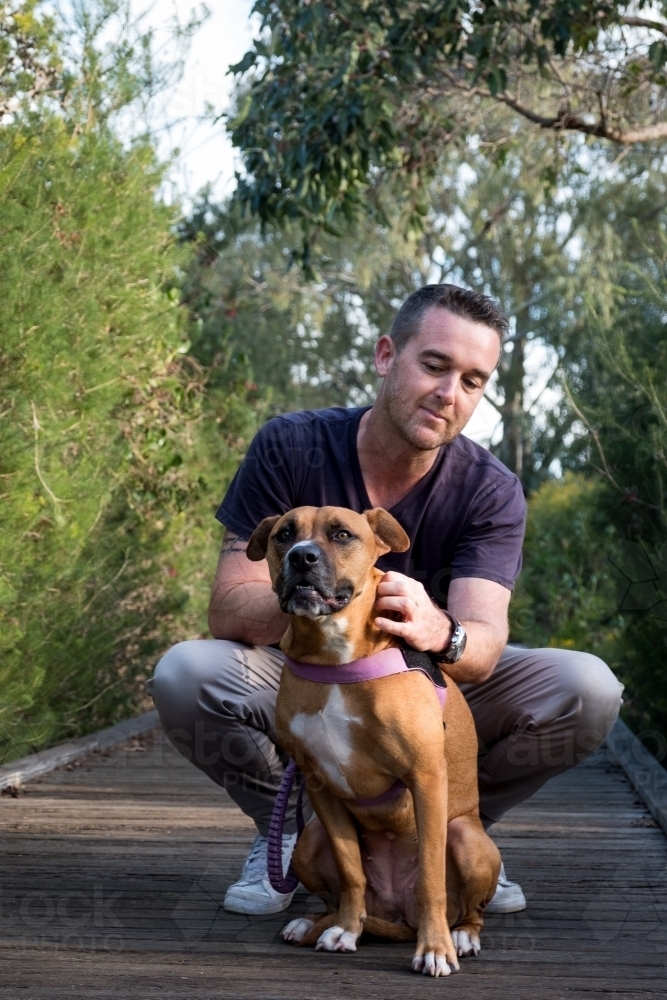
column 206, row 156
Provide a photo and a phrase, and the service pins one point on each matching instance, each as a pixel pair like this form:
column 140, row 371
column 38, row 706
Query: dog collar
column 369, row 668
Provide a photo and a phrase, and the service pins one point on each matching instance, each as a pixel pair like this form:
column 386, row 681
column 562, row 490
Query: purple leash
column 274, row 855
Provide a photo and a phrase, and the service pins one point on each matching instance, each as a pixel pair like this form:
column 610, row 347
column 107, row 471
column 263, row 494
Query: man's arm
column 243, row 607
column 480, row 605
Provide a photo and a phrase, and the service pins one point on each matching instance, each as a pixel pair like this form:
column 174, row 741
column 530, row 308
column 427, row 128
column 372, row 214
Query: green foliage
column 338, row 97
column 29, row 53
column 112, row 456
column 84, row 330
column 567, row 593
column 138, row 355
column 515, row 238
column 503, row 229
column 641, row 580
column 309, row 344
column 620, row 394
column 584, row 586
column 623, row 391
column 116, row 63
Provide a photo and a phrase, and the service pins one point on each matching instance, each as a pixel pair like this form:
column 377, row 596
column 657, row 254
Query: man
column 537, row 712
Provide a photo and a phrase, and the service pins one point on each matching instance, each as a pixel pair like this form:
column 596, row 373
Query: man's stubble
column 403, row 415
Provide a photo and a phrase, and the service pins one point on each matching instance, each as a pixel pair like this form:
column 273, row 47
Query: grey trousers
column 541, row 712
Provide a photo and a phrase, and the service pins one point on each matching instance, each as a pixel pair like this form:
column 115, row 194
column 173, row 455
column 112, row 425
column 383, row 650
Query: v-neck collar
column 358, row 476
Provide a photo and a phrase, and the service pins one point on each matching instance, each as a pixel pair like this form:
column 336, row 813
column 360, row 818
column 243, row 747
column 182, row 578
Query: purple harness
column 369, row 668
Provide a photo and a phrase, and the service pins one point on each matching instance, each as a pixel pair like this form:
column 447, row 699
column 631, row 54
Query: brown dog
column 421, row 862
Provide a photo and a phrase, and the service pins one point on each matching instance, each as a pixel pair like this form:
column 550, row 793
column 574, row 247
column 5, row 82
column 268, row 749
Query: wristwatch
column 453, row 652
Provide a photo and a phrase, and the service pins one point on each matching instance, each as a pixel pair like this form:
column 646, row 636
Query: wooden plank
column 15, row 774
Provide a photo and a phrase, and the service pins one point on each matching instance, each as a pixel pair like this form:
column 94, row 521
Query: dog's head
column 320, row 557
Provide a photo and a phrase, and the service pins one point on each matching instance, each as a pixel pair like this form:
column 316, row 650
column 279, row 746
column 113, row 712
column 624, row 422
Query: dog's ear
column 387, row 530
column 259, row 540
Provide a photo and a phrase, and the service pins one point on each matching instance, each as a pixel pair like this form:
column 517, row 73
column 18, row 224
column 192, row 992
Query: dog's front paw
column 336, row 939
column 433, row 963
column 466, row 942
column 296, row 930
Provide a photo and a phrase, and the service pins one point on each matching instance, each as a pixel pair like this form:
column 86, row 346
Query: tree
column 103, row 445
column 347, row 107
column 503, row 228
column 619, row 389
column 307, row 343
column 566, row 594
column 30, row 60
column 619, row 395
column 517, row 237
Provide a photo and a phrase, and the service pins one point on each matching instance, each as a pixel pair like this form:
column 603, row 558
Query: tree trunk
column 514, row 448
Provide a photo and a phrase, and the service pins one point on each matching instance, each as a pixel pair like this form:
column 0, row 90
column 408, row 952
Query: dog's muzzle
column 307, row 584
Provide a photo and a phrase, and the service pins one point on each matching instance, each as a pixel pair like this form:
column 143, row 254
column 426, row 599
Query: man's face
column 433, row 385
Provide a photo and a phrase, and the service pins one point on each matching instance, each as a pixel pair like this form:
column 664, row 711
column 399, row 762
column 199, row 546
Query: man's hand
column 424, row 626
column 480, row 605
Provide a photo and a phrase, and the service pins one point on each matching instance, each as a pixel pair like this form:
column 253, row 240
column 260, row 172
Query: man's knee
column 176, row 685
column 589, row 684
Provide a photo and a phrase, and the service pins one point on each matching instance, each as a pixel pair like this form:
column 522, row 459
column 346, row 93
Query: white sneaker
column 508, row 897
column 253, row 893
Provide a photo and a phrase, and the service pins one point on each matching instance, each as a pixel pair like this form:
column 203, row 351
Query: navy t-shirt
column 464, row 518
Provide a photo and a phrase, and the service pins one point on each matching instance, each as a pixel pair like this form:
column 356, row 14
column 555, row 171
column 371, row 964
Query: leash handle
column 274, row 854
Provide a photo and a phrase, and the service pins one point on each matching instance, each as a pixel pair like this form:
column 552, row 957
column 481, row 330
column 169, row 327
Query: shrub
column 109, row 473
column 584, row 586
column 566, row 595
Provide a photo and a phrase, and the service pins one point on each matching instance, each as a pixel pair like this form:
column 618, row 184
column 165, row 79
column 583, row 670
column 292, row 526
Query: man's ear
column 259, row 540
column 387, row 530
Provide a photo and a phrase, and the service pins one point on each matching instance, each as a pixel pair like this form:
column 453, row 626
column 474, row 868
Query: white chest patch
column 326, row 735
column 334, row 633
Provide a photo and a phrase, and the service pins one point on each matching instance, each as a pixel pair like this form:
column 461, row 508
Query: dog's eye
column 284, row 535
column 342, row 535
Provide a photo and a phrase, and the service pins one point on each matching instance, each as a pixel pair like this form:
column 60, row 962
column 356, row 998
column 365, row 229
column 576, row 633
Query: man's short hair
column 460, row 301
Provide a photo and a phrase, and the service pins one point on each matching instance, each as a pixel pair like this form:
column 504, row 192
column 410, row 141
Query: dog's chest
column 336, row 643
column 326, row 736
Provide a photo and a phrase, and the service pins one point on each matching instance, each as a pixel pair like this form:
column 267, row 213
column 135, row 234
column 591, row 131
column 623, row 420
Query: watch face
column 457, row 645
column 461, row 644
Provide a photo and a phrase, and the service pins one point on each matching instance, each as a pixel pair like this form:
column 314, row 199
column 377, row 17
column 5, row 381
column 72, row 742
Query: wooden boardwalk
column 112, row 873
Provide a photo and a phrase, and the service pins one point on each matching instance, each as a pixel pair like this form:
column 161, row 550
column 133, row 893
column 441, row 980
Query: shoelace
column 255, row 866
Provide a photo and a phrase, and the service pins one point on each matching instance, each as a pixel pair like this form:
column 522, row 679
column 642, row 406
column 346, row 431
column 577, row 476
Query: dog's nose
column 303, row 557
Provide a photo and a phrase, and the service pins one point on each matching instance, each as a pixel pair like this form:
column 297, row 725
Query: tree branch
column 474, row 240
column 644, row 22
column 566, row 121
column 42, row 85
column 556, row 442
column 605, row 470
column 496, row 406
column 546, row 386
